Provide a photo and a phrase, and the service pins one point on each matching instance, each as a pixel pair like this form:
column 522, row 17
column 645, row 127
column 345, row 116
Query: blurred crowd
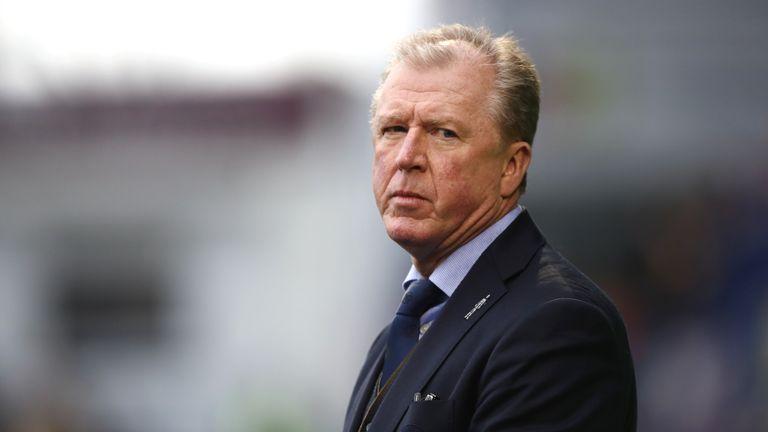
column 692, row 282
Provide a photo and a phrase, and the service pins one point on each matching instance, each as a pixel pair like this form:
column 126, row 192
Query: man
column 497, row 331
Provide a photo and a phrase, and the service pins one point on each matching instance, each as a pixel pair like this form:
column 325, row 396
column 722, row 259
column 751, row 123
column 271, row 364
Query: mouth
column 407, row 195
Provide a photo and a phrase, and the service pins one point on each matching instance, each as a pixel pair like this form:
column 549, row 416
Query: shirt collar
column 449, row 273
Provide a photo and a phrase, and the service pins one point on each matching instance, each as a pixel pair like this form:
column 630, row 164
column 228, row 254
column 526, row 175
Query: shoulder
column 557, row 282
column 566, row 334
column 550, row 297
column 534, row 273
column 525, row 260
column 552, row 304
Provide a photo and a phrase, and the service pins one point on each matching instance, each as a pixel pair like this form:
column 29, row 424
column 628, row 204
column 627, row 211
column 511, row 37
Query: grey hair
column 515, row 102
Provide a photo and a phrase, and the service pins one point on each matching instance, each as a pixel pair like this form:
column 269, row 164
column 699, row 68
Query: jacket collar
column 483, row 286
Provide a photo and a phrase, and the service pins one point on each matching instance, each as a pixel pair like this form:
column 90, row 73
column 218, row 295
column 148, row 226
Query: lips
column 406, row 194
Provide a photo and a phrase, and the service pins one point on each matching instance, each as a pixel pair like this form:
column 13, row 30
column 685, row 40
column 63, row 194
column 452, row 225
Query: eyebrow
column 389, row 118
column 430, row 122
column 445, row 120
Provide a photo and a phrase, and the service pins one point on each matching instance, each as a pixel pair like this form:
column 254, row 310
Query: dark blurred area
column 173, row 238
column 690, row 275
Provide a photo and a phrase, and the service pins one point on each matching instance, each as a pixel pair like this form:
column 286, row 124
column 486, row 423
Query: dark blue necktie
column 404, row 331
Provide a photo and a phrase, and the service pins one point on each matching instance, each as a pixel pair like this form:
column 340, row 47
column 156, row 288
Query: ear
column 518, row 157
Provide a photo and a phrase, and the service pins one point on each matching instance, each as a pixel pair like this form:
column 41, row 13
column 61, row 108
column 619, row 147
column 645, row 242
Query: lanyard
column 374, row 406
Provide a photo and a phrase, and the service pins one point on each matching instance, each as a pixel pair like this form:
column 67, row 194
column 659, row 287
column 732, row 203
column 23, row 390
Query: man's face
column 438, row 163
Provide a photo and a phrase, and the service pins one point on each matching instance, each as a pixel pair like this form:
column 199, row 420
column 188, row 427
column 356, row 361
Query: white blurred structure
column 213, row 158
column 51, row 47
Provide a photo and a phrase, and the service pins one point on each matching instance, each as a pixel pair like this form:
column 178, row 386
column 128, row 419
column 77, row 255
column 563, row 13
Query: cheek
column 455, row 178
column 461, row 186
column 379, row 175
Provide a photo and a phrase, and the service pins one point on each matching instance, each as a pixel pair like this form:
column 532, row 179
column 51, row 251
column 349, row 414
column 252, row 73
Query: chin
column 407, row 232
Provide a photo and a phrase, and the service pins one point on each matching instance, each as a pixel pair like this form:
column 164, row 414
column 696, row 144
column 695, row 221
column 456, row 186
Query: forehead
column 459, row 87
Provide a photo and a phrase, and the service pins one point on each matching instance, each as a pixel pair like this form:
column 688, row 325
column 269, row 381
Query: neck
column 426, row 261
column 425, row 268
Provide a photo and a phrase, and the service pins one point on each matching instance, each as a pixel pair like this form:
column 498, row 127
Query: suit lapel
column 478, row 292
column 438, row 342
column 364, row 392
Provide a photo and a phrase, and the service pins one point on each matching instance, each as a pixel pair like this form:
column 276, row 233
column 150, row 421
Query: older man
column 497, row 331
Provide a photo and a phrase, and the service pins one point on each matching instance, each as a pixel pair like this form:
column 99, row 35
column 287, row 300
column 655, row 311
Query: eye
column 389, row 130
column 445, row 133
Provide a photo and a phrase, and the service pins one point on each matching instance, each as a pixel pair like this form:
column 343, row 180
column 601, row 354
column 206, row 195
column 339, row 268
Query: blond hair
column 514, row 103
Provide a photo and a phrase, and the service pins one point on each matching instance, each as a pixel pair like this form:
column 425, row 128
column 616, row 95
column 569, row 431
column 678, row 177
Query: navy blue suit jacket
column 526, row 343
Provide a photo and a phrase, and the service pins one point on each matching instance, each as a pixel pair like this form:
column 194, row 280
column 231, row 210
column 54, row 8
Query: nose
column 411, row 155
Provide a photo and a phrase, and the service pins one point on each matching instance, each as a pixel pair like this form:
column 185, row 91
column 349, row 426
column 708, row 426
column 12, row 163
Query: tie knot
column 420, row 296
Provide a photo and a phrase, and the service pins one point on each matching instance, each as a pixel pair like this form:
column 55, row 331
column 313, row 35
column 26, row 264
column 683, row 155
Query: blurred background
column 188, row 241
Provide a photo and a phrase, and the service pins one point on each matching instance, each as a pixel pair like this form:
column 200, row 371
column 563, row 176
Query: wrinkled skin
column 441, row 174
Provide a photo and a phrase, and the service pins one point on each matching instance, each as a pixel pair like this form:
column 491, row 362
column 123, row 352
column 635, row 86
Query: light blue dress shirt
column 448, row 274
